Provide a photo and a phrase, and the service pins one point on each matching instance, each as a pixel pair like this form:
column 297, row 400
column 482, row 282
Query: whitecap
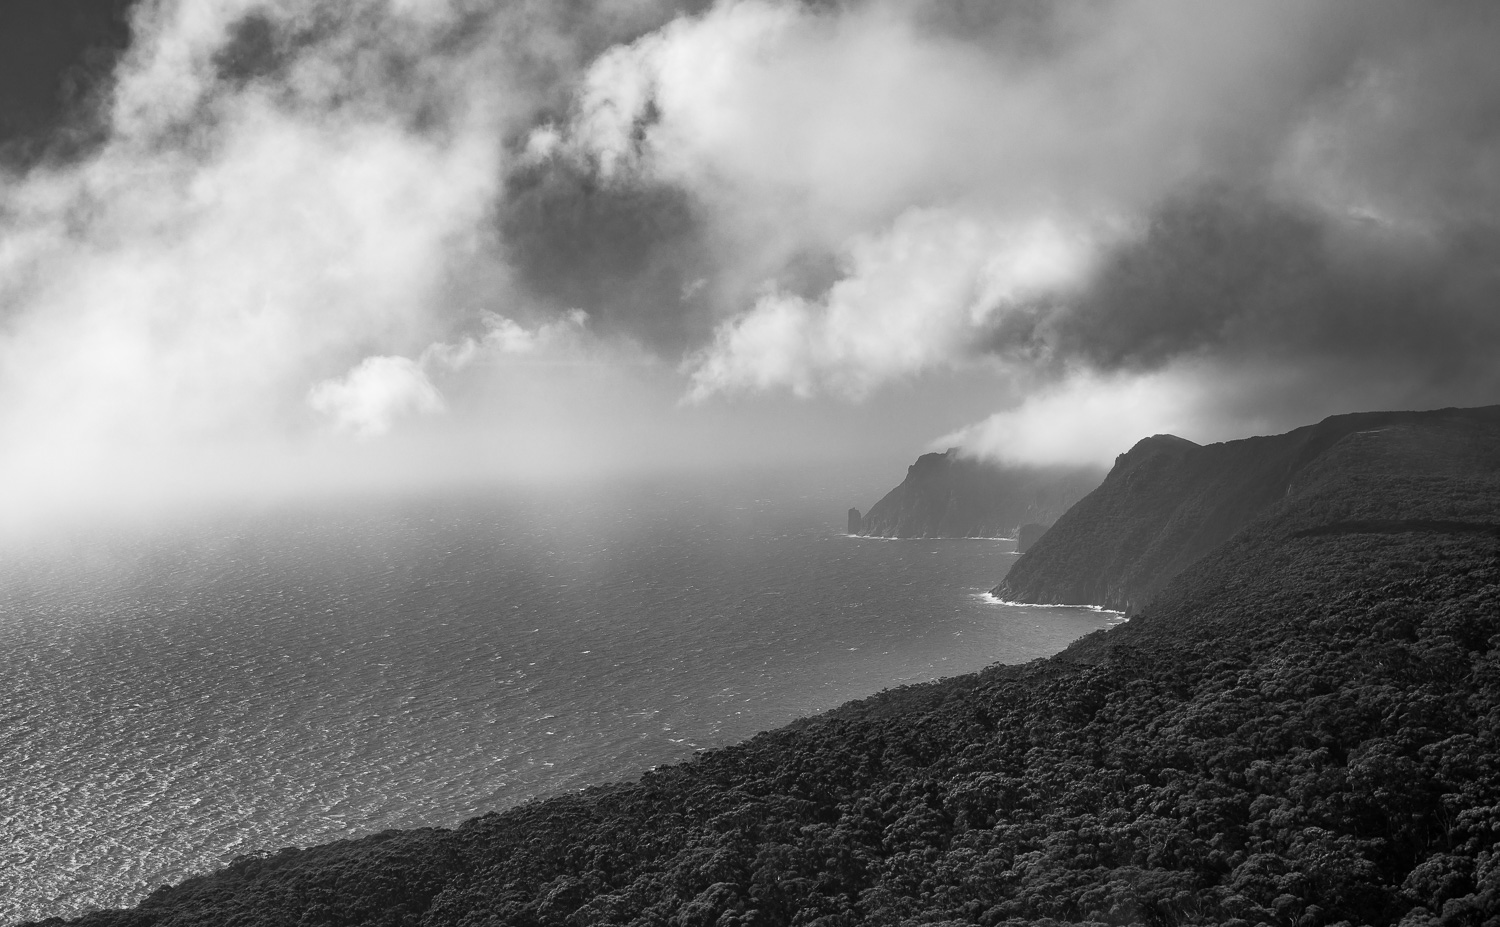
column 992, row 599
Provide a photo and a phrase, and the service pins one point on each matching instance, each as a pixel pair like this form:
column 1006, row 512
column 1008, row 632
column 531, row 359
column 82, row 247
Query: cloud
column 626, row 254
column 1235, row 274
column 1306, row 188
column 289, row 197
column 389, row 204
column 1084, row 416
column 379, row 391
column 230, row 242
column 505, row 338
column 831, row 121
column 1088, row 418
column 371, row 397
column 913, row 298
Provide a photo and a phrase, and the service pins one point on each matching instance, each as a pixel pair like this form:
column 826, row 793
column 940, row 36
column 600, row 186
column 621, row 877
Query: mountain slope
column 1168, row 501
column 1299, row 729
column 947, row 495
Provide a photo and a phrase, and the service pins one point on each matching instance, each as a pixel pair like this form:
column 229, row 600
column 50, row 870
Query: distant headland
column 949, row 495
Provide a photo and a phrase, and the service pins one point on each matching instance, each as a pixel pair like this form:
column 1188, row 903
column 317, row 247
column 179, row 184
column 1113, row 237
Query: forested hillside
column 1302, row 729
column 1169, row 501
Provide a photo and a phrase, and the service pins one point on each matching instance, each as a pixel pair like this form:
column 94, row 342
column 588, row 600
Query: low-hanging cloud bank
column 310, row 224
column 1313, row 187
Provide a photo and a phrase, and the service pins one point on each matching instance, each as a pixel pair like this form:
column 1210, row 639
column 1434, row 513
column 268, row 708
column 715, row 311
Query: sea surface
column 174, row 698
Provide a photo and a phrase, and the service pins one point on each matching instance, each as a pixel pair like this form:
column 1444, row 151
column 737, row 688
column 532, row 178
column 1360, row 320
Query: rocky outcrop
column 1168, row 501
column 951, row 496
column 856, row 523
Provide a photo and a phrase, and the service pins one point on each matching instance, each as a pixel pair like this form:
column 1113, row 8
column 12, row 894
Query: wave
column 877, row 537
column 992, row 599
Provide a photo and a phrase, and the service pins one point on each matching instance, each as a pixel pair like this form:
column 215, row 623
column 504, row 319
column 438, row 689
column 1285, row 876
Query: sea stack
column 854, row 521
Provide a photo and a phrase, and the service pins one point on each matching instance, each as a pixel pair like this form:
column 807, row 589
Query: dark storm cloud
column 1237, row 274
column 254, row 48
column 56, row 58
column 629, row 255
column 1369, row 245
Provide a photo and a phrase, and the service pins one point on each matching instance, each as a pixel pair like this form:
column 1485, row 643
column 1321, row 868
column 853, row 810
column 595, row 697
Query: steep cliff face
column 1169, row 501
column 949, row 496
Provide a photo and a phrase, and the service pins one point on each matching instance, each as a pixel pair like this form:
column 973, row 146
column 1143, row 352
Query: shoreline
column 993, row 599
column 877, row 537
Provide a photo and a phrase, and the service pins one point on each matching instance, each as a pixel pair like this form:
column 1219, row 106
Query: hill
column 1302, row 728
column 1168, row 501
column 951, row 496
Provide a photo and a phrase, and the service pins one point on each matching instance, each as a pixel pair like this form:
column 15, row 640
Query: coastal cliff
column 1299, row 729
column 1168, row 501
column 951, row 496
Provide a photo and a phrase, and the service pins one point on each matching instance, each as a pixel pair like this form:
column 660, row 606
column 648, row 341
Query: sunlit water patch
column 169, row 703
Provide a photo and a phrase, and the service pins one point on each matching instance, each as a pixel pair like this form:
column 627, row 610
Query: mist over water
column 171, row 700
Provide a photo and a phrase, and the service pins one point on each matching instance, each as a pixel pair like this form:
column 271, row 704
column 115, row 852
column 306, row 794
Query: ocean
column 175, row 698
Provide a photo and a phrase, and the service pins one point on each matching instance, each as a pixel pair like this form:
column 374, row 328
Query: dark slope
column 1169, row 501
column 1302, row 729
column 949, row 496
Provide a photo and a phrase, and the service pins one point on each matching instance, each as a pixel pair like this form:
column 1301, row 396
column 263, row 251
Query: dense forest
column 1301, row 729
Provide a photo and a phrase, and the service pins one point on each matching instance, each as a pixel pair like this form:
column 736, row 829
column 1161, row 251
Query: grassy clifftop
column 1303, row 728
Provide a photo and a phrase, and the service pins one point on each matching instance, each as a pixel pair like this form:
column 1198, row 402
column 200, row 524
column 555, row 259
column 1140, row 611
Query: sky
column 259, row 248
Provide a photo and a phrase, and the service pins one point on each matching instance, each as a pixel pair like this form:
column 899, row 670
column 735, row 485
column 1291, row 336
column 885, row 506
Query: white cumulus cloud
column 370, row 398
column 913, row 298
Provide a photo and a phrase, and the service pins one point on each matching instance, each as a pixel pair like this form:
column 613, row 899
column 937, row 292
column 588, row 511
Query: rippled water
column 169, row 702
